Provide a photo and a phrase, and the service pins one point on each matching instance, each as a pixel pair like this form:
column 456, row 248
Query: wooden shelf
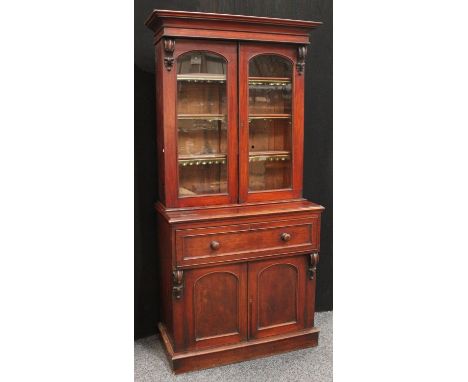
column 273, row 81
column 202, row 77
column 269, row 116
column 208, row 117
column 202, row 160
column 271, row 156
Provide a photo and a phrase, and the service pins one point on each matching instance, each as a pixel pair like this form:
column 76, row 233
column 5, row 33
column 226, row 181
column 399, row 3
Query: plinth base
column 202, row 359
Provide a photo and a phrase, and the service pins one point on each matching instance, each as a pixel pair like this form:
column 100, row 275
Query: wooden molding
column 183, row 24
column 185, row 361
column 301, row 55
column 314, row 259
column 169, row 46
column 152, row 20
column 178, row 287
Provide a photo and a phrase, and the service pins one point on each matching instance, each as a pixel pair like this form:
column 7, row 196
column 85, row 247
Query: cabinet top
column 224, row 26
column 178, row 215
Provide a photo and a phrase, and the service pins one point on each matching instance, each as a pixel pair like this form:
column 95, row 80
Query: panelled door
column 216, row 305
column 201, row 89
column 228, row 304
column 277, row 296
column 271, row 101
column 236, row 131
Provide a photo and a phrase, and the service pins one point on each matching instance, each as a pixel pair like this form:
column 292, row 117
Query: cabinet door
column 271, row 91
column 277, row 296
column 216, row 305
column 200, row 124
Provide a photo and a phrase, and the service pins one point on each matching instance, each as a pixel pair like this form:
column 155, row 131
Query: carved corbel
column 313, row 261
column 178, row 287
column 301, row 55
column 169, row 46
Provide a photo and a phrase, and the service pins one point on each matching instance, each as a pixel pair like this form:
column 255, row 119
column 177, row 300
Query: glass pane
column 201, row 124
column 270, row 123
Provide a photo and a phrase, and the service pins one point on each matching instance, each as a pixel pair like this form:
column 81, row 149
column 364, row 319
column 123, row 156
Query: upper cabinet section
column 229, row 99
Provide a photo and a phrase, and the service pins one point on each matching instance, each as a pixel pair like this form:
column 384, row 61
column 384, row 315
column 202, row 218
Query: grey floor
column 313, row 364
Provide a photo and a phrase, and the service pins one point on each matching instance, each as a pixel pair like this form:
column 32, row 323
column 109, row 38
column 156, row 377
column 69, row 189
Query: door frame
column 227, row 50
column 248, row 50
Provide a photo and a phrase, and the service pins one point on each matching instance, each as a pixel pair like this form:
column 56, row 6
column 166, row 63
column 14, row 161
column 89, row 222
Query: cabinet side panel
column 160, row 122
column 310, row 300
column 298, row 131
column 166, row 124
column 311, row 285
column 165, row 272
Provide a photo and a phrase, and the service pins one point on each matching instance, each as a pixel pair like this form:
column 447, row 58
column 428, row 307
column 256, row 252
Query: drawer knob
column 285, row 236
column 214, row 244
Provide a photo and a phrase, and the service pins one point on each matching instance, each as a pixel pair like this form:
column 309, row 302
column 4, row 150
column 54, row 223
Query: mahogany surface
column 166, row 83
column 243, row 241
column 246, row 52
column 205, row 358
column 276, row 296
column 216, row 305
column 228, row 27
column 245, row 210
column 237, row 266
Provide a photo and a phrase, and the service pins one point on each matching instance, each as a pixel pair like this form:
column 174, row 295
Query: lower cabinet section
column 230, row 304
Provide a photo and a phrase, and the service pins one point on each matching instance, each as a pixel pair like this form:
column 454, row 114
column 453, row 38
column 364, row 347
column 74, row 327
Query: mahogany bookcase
column 238, row 245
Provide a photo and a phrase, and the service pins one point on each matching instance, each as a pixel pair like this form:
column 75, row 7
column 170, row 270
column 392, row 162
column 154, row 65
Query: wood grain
column 234, row 265
column 183, row 362
column 241, row 242
column 277, row 296
column 247, row 51
column 228, row 27
column 215, row 306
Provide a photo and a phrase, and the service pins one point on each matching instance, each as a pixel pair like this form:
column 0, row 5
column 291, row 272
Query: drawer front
column 229, row 243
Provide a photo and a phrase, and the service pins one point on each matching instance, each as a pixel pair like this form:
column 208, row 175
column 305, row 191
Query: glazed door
column 271, row 91
column 277, row 296
column 216, row 305
column 205, row 132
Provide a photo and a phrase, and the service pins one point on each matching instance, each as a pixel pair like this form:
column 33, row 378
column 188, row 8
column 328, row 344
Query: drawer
column 236, row 242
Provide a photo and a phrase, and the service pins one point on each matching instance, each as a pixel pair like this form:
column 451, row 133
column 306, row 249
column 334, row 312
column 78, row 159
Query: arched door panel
column 216, row 305
column 271, row 122
column 200, row 124
column 277, row 290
